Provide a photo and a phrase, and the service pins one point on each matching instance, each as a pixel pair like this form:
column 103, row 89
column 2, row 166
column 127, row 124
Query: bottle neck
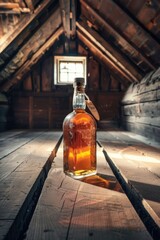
column 79, row 98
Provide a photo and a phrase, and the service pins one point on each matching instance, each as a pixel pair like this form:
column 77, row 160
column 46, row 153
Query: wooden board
column 23, row 172
column 94, row 208
column 71, row 209
column 12, row 140
column 138, row 161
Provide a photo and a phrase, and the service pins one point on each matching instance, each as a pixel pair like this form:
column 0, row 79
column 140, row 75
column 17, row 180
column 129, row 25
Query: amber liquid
column 79, row 144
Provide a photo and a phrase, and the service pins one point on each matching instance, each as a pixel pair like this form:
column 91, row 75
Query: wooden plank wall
column 141, row 107
column 37, row 103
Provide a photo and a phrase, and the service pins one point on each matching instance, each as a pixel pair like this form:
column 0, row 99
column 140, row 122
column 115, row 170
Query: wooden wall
column 37, row 103
column 141, row 107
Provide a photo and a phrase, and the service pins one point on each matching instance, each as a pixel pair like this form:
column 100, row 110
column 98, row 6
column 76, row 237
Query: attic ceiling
column 123, row 34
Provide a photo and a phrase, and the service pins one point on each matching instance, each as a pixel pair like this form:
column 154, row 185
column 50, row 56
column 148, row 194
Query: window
column 66, row 68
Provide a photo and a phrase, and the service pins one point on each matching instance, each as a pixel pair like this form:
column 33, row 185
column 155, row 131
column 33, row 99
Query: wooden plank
column 15, row 141
column 137, row 160
column 30, row 120
column 99, row 53
column 110, row 52
column 146, row 109
column 77, row 210
column 146, row 213
column 151, row 132
column 18, row 31
column 150, row 121
column 120, row 41
column 26, row 168
column 24, row 54
column 34, row 59
column 9, row 5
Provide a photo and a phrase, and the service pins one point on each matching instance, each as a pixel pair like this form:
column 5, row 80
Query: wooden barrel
column 3, row 112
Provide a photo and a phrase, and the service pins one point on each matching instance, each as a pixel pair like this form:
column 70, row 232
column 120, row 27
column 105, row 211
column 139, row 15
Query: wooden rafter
column 35, row 42
column 28, row 64
column 21, row 31
column 8, row 5
column 104, row 58
column 115, row 34
column 12, row 8
column 109, row 51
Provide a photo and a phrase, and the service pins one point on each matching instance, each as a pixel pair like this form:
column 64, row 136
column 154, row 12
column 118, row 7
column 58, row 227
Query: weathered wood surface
column 14, row 38
column 77, row 210
column 139, row 162
column 69, row 209
column 22, row 173
column 12, row 140
column 141, row 107
column 33, row 49
column 119, row 39
column 110, row 53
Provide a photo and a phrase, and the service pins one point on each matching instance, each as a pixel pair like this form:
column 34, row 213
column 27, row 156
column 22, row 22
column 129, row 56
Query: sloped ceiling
column 123, row 34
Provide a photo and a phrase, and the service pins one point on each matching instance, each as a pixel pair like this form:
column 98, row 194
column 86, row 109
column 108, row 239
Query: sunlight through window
column 66, row 68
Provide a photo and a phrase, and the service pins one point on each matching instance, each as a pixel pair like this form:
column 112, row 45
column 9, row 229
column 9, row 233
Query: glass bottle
column 79, row 137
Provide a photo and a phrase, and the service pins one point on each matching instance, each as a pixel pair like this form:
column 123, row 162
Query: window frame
column 58, row 59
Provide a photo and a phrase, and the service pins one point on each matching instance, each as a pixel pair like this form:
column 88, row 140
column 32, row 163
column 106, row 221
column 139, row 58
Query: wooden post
column 30, row 117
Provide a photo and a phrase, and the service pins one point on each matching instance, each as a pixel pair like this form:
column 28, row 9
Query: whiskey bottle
column 79, row 137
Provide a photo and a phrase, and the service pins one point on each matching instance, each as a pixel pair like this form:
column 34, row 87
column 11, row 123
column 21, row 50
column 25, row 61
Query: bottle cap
column 78, row 81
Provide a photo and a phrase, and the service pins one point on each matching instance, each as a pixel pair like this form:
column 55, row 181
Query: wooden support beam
column 8, row 5
column 36, row 41
column 103, row 53
column 15, row 11
column 30, row 4
column 112, row 54
column 21, row 31
column 97, row 52
column 68, row 13
column 120, row 39
column 18, row 76
column 12, row 8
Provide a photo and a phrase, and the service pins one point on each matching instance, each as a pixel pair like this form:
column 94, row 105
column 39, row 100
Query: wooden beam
column 12, row 8
column 65, row 13
column 97, row 52
column 30, row 4
column 92, row 43
column 21, row 31
column 106, row 48
column 8, row 5
column 122, row 40
column 15, row 11
column 18, row 76
column 36, row 41
column 73, row 19
column 68, row 13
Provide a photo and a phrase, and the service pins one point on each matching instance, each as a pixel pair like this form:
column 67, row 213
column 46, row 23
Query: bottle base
column 80, row 174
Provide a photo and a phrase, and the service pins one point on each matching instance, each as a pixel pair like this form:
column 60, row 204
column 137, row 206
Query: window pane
column 66, row 68
column 71, row 67
column 63, row 77
column 79, row 67
column 63, row 67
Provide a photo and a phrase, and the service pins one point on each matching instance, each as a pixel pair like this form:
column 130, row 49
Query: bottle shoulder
column 79, row 116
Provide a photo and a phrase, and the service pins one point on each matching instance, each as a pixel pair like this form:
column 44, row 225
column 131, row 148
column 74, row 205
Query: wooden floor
column 38, row 201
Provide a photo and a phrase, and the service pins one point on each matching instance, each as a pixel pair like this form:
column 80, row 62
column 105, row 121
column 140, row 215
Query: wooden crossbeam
column 115, row 34
column 112, row 54
column 8, row 5
column 12, row 8
column 99, row 53
column 28, row 64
